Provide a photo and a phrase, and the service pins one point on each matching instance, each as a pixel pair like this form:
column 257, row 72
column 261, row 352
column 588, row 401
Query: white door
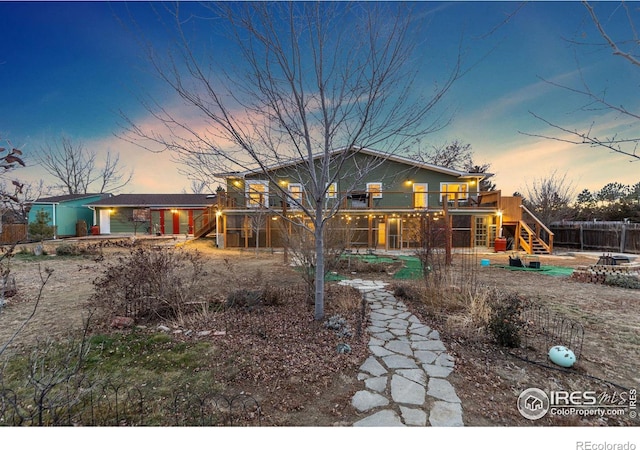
column 105, row 221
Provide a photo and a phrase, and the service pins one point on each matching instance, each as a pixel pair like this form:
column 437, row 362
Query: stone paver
column 405, row 378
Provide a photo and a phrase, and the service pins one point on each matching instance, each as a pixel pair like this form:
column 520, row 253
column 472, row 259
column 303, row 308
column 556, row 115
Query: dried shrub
column 505, row 323
column 245, row 298
column 273, row 296
column 623, row 281
column 151, row 284
column 407, row 292
column 344, row 298
column 70, row 249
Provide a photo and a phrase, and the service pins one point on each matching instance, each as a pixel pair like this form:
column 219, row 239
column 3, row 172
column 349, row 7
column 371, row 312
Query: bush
column 245, row 298
column 505, row 323
column 151, row 284
column 623, row 281
column 68, row 250
column 40, row 229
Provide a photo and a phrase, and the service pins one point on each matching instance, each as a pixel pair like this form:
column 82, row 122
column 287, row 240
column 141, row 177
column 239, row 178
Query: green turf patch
column 555, row 271
column 412, row 269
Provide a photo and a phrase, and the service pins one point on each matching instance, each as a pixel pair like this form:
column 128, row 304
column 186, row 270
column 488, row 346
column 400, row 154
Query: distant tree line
column 615, row 202
column 552, row 199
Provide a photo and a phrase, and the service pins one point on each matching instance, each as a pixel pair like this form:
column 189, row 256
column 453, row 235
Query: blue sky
column 70, row 67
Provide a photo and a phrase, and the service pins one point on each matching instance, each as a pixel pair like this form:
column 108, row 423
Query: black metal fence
column 543, row 329
column 600, row 236
column 88, row 403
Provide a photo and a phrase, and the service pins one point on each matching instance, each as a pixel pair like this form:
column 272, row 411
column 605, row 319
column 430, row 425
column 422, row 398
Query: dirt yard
column 488, row 379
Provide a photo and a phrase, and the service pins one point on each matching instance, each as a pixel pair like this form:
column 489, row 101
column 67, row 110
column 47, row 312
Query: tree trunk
column 319, row 275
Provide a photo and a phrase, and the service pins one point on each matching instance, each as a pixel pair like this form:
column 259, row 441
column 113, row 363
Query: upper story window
column 257, row 193
column 420, row 195
column 374, row 190
column 295, row 194
column 454, row 191
column 332, row 190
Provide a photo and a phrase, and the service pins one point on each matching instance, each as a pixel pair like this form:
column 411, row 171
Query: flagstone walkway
column 405, row 377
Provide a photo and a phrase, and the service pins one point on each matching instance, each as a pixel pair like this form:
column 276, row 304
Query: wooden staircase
column 535, row 239
column 205, row 223
column 530, row 242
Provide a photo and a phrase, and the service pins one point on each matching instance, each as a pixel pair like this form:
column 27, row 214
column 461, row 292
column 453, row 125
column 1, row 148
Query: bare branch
column 76, row 170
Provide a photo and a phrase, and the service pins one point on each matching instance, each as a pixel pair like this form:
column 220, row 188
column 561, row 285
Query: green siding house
column 65, row 211
column 379, row 200
column 158, row 214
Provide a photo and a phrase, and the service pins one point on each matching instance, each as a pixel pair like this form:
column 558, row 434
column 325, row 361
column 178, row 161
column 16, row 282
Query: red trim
column 176, row 222
column 191, row 221
column 161, row 221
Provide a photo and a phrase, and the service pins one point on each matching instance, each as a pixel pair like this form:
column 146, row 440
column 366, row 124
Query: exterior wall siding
column 397, row 180
column 162, row 221
column 67, row 214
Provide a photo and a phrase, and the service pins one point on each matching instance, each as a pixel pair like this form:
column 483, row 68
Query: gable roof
column 67, row 198
column 367, row 151
column 156, row 200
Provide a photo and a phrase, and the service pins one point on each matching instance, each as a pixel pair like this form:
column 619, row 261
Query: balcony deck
column 368, row 202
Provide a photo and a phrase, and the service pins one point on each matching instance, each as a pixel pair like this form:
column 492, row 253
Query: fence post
column 581, row 238
column 623, row 237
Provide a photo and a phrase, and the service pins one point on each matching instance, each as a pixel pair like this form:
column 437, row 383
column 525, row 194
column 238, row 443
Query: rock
column 443, row 390
column 365, row 400
column 343, row 348
column 384, row 418
column 164, row 328
column 406, row 391
column 445, row 414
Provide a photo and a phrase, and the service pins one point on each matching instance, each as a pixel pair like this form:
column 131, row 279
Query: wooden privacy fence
column 12, row 233
column 601, row 236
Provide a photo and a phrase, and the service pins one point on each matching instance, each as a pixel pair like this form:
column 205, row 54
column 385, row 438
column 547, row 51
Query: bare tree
column 454, row 155
column 200, row 186
column 549, row 197
column 77, row 170
column 599, row 100
column 312, row 82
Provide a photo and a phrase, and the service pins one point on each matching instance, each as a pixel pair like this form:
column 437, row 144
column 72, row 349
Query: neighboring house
column 158, row 214
column 382, row 210
column 65, row 211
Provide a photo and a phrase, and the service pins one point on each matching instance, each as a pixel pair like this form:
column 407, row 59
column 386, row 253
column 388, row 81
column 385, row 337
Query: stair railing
column 543, row 234
column 205, row 222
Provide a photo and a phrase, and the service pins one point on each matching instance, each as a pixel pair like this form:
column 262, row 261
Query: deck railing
column 535, row 229
column 362, row 200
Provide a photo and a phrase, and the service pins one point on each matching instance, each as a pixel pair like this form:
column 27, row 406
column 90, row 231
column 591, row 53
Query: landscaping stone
column 425, row 356
column 443, row 390
column 372, row 366
column 377, row 384
column 413, row 416
column 365, row 400
column 399, row 362
column 404, row 390
column 445, row 414
column 384, row 418
column 437, row 371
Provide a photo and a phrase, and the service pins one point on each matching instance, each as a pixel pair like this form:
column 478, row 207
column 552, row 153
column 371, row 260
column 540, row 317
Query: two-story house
column 380, row 204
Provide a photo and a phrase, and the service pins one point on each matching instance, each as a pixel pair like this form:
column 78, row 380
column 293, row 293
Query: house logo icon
column 533, row 403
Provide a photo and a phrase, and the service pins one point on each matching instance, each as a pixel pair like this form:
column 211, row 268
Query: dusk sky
column 71, row 67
